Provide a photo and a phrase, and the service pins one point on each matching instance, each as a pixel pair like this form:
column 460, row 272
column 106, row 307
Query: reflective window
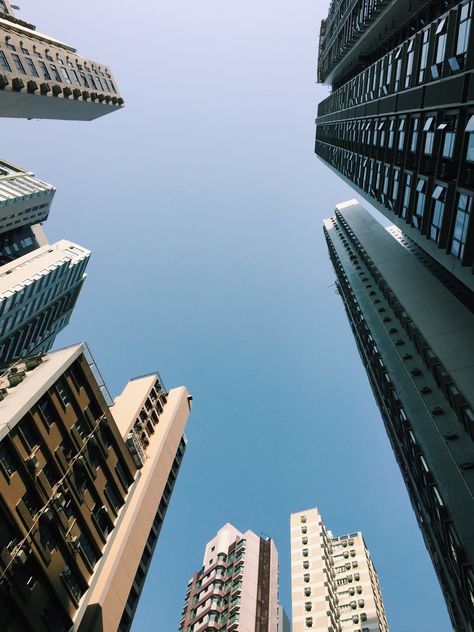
column 439, row 196
column 461, row 224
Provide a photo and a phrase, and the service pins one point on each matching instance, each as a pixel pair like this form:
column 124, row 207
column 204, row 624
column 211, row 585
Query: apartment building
column 85, row 484
column 25, row 203
column 42, row 77
column 237, row 586
column 38, row 292
column 334, row 584
column 415, row 333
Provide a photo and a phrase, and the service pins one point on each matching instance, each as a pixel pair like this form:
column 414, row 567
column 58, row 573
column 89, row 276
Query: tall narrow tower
column 333, row 580
column 237, row 586
column 414, row 329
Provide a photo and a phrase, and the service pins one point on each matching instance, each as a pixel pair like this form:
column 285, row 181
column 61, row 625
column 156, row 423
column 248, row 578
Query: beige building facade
column 84, row 487
column 237, row 587
column 42, row 77
column 334, row 584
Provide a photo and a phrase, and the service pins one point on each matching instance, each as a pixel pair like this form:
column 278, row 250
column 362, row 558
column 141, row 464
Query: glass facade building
column 399, row 123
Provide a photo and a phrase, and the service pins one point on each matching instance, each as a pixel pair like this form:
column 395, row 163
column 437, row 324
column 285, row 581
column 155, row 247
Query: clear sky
column 203, row 202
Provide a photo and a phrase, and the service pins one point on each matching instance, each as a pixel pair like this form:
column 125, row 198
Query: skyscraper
column 283, row 621
column 24, row 203
column 333, row 579
column 41, row 77
column 85, row 484
column 416, row 340
column 399, row 123
column 38, row 292
column 237, row 586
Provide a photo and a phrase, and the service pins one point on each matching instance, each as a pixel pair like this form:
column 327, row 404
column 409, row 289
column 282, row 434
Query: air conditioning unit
column 33, row 462
column 48, row 514
column 21, row 557
column 59, row 502
column 74, row 544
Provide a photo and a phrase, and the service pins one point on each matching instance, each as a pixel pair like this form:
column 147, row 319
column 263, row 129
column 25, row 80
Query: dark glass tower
column 399, row 123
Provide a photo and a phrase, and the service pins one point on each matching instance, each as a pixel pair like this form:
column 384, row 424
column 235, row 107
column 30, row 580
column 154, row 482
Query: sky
column 202, row 202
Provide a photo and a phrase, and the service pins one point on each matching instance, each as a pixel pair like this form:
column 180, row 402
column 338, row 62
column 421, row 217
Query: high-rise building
column 41, row 77
column 399, row 123
column 38, row 292
column 24, row 203
column 85, row 484
column 416, row 339
column 333, row 580
column 237, row 586
column 283, row 624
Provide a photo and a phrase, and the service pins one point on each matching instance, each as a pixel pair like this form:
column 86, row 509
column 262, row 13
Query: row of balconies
column 44, row 88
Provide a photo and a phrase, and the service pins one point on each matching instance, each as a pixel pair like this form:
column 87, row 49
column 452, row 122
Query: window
column 395, row 187
column 44, row 70
column 88, row 549
column 7, row 458
column 401, row 134
column 397, row 60
column 464, row 29
column 406, row 195
column 56, row 74
column 18, row 64
column 3, row 62
column 461, row 225
column 410, row 57
column 65, row 75
column 415, row 125
column 62, row 392
column 113, row 496
column 29, row 433
column 47, row 410
column 51, row 474
column 440, row 48
column 425, row 42
column 82, row 428
column 32, row 67
column 439, row 195
column 47, row 535
column 417, row 218
column 31, row 503
column 429, row 135
column 391, row 133
column 449, row 128
column 470, row 138
column 72, row 582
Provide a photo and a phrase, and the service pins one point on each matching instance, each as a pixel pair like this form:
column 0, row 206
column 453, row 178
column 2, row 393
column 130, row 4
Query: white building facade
column 334, row 583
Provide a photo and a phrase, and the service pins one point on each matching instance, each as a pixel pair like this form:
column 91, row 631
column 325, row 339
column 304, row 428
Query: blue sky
column 203, row 202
